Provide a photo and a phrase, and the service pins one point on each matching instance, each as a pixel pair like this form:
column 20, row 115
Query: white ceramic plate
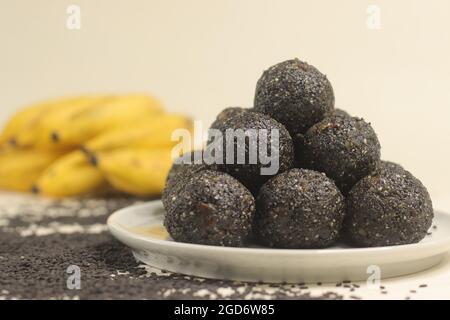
column 140, row 227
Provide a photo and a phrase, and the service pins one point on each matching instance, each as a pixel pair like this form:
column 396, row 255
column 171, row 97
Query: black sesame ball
column 294, row 93
column 213, row 208
column 345, row 148
column 183, row 169
column 340, row 112
column 252, row 175
column 299, row 208
column 389, row 165
column 227, row 113
column 389, row 208
column 299, row 137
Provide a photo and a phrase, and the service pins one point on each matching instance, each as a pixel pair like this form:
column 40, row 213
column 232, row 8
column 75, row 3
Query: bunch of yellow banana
column 34, row 126
column 79, row 145
column 20, row 168
column 152, row 133
column 69, row 175
column 140, row 172
column 119, row 112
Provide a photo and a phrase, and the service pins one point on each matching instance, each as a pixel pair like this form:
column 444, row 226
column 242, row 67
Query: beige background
column 200, row 56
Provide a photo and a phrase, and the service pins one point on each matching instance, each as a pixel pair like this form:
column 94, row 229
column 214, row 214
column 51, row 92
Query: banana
column 140, row 172
column 39, row 131
column 153, row 132
column 3, row 140
column 28, row 117
column 71, row 175
column 121, row 111
column 21, row 168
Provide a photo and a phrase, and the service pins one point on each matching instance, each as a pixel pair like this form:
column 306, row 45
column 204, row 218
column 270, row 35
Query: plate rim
column 115, row 227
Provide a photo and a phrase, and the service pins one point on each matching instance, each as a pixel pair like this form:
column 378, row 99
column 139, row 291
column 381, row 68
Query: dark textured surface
column 345, row 148
column 227, row 113
column 294, row 93
column 340, row 112
column 391, row 207
column 299, row 209
column 188, row 165
column 299, row 137
column 250, row 174
column 40, row 239
column 213, row 208
column 183, row 169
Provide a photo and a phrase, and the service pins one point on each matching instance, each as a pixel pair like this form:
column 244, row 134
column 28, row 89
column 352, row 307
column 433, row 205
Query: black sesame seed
column 389, row 208
column 213, row 208
column 294, row 93
column 299, row 208
column 249, row 174
column 182, row 170
column 345, row 148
